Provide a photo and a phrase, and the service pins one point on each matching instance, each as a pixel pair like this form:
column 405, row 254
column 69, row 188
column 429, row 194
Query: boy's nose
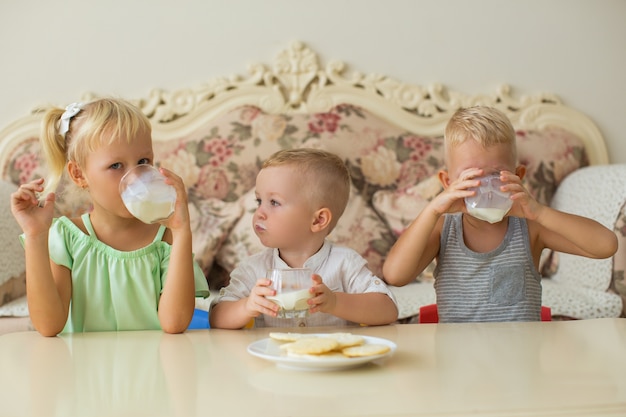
column 259, row 213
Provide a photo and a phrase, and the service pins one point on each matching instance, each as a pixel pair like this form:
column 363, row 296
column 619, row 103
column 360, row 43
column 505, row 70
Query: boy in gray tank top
column 487, row 270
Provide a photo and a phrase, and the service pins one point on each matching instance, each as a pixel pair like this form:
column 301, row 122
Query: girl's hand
column 323, row 299
column 180, row 218
column 257, row 304
column 524, row 205
column 33, row 217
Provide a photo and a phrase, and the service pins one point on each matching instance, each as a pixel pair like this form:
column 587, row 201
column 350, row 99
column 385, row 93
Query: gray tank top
column 501, row 285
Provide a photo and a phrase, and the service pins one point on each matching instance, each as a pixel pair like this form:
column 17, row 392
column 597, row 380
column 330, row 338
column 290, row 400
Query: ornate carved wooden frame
column 297, row 83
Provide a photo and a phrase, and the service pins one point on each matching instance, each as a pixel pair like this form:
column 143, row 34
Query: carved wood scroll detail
column 296, row 83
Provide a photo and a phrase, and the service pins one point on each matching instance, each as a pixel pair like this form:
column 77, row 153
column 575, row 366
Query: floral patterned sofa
column 216, row 137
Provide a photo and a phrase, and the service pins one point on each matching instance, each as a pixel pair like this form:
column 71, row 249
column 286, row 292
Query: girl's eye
column 274, row 203
column 258, row 202
column 116, row 165
column 144, row 161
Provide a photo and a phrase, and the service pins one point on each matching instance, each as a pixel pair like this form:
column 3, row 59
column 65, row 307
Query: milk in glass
column 490, row 203
column 146, row 195
column 292, row 291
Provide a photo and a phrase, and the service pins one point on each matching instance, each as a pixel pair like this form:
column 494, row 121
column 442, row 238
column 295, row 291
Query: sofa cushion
column 361, row 229
column 211, row 223
column 399, row 208
column 241, row 242
column 618, row 281
column 221, row 159
column 17, row 307
column 381, row 157
column 579, row 194
column 549, row 155
column 12, row 274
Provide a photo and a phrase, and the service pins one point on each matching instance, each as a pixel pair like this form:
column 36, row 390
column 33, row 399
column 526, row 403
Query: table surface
column 484, row 369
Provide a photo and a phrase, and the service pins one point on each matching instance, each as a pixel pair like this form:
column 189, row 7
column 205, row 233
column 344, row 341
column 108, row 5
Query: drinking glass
column 292, row 291
column 490, row 203
column 146, row 195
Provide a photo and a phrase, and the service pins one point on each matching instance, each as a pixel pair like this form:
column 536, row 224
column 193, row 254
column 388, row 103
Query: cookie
column 286, row 337
column 369, row 349
column 312, row 346
column 347, row 339
column 322, row 356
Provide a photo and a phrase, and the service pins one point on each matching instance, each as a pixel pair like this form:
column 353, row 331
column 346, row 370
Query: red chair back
column 429, row 314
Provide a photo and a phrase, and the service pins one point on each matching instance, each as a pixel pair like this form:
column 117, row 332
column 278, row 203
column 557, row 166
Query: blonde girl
column 105, row 270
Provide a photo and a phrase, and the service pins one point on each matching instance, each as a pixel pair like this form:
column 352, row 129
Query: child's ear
column 444, row 178
column 520, row 171
column 76, row 174
column 321, row 219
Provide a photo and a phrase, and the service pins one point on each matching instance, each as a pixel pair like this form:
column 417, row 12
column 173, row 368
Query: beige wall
column 53, row 51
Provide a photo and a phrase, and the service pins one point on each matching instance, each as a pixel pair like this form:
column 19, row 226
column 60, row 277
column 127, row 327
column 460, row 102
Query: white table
column 490, row 369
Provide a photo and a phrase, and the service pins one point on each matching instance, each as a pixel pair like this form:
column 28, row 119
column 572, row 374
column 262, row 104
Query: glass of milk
column 146, row 195
column 490, row 203
column 292, row 291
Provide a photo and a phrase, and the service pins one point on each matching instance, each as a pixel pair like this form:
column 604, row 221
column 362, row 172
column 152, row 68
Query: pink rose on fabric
column 212, row 183
column 420, row 147
column 324, row 122
column 26, row 164
column 219, row 150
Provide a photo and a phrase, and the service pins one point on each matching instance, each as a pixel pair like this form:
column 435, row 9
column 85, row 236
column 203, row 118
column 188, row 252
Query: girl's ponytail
column 54, row 148
column 55, row 130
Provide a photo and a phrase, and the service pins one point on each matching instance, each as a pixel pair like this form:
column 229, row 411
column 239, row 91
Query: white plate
column 269, row 349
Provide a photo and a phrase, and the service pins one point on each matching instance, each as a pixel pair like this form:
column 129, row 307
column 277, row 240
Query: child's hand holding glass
column 257, row 303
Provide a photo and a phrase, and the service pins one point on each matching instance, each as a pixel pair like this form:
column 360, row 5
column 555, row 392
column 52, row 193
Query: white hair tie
column 70, row 111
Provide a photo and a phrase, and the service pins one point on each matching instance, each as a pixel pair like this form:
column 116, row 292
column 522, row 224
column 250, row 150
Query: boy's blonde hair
column 98, row 123
column 323, row 175
column 485, row 125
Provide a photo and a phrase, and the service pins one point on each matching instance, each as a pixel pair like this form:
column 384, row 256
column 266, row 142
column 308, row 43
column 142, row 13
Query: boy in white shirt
column 301, row 194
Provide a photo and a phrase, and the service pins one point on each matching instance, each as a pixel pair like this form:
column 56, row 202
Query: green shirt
column 112, row 289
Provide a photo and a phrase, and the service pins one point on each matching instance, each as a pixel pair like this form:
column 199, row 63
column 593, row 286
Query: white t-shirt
column 341, row 268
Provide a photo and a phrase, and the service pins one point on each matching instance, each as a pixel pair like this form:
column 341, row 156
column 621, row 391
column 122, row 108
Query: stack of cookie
column 332, row 345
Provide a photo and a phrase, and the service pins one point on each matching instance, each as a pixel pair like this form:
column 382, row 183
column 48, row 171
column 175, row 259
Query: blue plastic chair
column 200, row 320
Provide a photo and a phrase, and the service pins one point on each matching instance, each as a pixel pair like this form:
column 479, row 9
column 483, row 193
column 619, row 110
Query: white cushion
column 597, row 192
column 579, row 287
column 579, row 302
column 413, row 296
